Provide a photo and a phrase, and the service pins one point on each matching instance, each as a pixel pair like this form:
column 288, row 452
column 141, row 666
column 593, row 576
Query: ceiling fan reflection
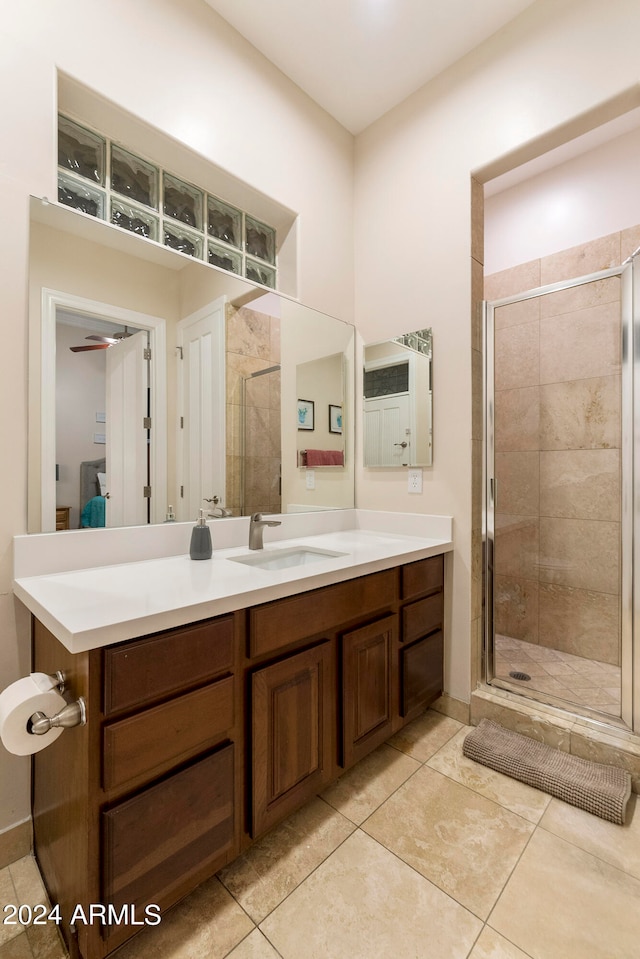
column 104, row 342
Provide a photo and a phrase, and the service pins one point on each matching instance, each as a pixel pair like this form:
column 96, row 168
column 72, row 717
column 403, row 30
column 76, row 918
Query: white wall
column 182, row 69
column 579, row 200
column 501, row 105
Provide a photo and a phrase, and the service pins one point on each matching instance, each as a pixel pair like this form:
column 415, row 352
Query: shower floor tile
column 584, row 682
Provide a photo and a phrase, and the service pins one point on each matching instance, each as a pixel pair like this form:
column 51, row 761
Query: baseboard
column 574, row 734
column 453, row 708
column 16, row 842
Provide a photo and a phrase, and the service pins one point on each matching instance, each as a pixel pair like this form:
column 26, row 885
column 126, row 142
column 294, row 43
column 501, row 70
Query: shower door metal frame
column 629, row 273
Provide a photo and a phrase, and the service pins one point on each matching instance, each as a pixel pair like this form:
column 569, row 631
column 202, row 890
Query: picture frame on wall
column 335, row 419
column 306, row 414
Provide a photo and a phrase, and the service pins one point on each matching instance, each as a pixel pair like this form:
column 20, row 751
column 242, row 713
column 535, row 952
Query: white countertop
column 91, row 607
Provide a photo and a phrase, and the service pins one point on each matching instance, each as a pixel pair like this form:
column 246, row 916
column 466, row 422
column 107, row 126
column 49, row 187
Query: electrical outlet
column 311, row 479
column 415, row 481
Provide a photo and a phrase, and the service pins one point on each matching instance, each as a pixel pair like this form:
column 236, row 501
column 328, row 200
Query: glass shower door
column 261, row 479
column 557, row 546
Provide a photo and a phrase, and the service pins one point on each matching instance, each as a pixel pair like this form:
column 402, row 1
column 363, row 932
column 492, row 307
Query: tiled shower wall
column 557, row 441
column 253, row 344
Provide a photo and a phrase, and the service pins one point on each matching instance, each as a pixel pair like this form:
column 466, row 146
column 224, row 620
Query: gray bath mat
column 601, row 790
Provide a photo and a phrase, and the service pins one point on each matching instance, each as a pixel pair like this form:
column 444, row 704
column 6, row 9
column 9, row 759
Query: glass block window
column 133, row 178
column 181, row 238
column 226, row 259
column 105, row 180
column 224, row 222
column 182, row 201
column 81, row 196
column 260, row 273
column 260, row 240
column 132, row 218
column 81, row 151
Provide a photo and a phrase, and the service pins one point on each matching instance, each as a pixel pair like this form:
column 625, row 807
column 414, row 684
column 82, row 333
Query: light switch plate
column 415, row 481
column 311, row 479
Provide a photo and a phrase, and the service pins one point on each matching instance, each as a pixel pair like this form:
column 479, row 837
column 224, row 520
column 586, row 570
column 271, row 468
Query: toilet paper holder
column 73, row 714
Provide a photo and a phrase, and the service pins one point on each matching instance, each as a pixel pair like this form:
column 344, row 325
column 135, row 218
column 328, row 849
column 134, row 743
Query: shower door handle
column 493, row 490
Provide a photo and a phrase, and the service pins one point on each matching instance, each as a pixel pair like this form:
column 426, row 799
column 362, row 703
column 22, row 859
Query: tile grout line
column 356, row 828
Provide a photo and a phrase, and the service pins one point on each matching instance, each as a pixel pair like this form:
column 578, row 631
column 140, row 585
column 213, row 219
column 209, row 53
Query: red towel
column 325, row 458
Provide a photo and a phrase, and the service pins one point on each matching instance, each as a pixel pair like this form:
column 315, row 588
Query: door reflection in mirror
column 101, row 379
column 398, row 401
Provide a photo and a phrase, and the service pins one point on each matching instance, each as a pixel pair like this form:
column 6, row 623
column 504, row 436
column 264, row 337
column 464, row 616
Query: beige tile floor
column 416, row 853
column 584, row 682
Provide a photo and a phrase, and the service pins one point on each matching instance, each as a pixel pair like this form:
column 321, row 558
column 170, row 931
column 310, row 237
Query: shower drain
column 516, row 674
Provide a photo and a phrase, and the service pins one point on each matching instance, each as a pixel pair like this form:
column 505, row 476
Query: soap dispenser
column 201, row 547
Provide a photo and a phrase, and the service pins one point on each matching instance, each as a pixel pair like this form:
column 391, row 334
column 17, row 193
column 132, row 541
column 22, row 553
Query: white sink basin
column 286, row 557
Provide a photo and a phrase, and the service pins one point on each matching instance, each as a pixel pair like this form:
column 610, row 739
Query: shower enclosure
column 261, row 460
column 558, row 523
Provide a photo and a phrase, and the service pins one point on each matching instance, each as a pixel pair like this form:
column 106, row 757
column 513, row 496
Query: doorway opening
column 95, row 403
column 559, row 495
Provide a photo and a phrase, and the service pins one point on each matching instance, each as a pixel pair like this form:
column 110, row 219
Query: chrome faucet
column 216, row 508
column 256, row 529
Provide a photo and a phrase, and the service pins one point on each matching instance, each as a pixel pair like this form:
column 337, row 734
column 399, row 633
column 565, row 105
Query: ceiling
column 359, row 58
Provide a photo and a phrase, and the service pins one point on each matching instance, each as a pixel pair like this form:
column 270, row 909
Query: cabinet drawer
column 157, row 839
column 157, row 738
column 289, row 620
column 149, row 669
column 422, row 679
column 422, row 617
column 422, row 577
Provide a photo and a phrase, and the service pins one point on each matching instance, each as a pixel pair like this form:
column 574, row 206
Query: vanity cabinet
column 201, row 738
column 145, row 801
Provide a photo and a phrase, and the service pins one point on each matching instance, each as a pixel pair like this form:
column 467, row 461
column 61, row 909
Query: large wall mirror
column 398, row 401
column 160, row 384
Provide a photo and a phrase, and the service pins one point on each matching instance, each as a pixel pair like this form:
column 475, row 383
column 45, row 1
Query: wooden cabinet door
column 366, row 688
column 292, row 729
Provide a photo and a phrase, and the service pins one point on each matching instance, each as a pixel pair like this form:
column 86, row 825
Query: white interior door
column 387, row 430
column 127, row 449
column 203, row 408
